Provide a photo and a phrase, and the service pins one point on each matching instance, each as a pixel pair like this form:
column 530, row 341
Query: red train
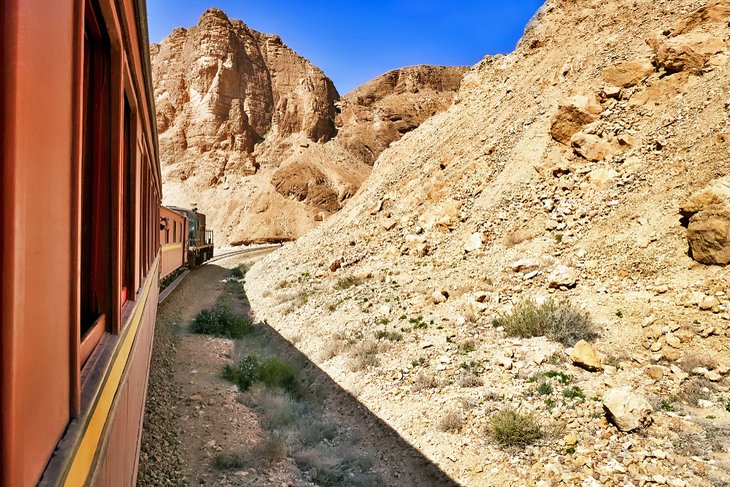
column 80, row 240
column 186, row 242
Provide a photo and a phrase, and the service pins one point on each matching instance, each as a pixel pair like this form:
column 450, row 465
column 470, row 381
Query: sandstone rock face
column 572, row 116
column 384, row 109
column 687, row 52
column 247, row 126
column 628, row 74
column 627, row 410
column 708, row 228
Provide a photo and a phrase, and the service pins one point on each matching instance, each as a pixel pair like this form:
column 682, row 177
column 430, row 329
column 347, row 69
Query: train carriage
column 80, row 219
column 173, row 241
column 200, row 238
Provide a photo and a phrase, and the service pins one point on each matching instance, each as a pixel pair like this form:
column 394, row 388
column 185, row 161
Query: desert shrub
column 510, row 428
column 272, row 372
column 451, row 421
column 272, row 450
column 693, row 360
column 363, row 355
column 337, row 466
column 220, row 321
column 694, row 389
column 426, row 380
column 240, row 271
column 313, row 433
column 470, row 380
column 332, row 347
column 231, row 461
column 393, row 336
column 545, row 388
column 574, row 392
column 244, row 373
column 347, row 282
column 277, row 373
column 558, row 320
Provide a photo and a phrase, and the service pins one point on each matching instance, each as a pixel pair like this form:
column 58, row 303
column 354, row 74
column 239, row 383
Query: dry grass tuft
column 425, row 380
column 517, row 237
column 363, row 355
column 451, row 422
column 510, row 428
column 470, row 380
column 560, row 321
column 693, row 360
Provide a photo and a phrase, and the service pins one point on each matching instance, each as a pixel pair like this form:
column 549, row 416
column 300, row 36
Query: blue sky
column 354, row 42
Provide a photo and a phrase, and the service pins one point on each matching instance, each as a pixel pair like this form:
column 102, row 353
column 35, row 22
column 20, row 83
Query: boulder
column 562, row 276
column 585, row 355
column 572, row 116
column 707, row 214
column 592, row 147
column 687, row 52
column 708, row 235
column 628, row 74
column 626, row 409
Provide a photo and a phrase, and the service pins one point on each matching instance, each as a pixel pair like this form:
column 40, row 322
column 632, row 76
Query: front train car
column 80, row 240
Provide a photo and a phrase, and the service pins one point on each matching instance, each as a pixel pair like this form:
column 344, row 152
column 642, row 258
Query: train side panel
column 173, row 240
column 35, row 397
column 80, row 194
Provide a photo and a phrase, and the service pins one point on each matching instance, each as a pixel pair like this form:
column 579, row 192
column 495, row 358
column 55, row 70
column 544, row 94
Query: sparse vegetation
column 693, row 360
column 332, row 347
column 220, row 321
column 667, row 405
column 558, row 320
column 468, row 346
column 451, row 422
column 364, row 355
column 694, row 389
column 425, row 380
column 544, row 389
column 393, row 336
column 240, row 271
column 271, row 371
column 347, row 282
column 510, row 428
column 470, row 380
column 564, row 378
column 574, row 392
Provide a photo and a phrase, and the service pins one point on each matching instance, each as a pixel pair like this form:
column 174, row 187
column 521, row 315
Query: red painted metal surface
column 58, row 138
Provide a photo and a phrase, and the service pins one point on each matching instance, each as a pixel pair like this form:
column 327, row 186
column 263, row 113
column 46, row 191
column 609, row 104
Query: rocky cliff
column 247, row 128
column 383, row 110
column 585, row 167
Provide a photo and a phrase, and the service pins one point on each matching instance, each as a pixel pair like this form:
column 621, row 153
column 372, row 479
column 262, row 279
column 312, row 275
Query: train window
column 95, row 235
column 174, row 231
column 128, row 163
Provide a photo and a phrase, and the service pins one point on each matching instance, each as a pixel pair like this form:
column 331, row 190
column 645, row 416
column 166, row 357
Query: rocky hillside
column 584, row 170
column 248, row 128
column 381, row 111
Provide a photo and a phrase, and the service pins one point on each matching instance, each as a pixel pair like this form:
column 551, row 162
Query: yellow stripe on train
column 83, row 458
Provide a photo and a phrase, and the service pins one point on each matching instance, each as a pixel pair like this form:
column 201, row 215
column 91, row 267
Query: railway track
column 169, row 289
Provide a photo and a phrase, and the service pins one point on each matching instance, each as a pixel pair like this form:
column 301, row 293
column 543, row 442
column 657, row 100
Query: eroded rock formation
column 247, row 128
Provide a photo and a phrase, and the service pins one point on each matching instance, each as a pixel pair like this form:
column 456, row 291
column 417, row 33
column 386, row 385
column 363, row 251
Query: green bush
column 221, row 321
column 244, row 373
column 271, row 372
column 558, row 320
column 574, row 392
column 510, row 428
